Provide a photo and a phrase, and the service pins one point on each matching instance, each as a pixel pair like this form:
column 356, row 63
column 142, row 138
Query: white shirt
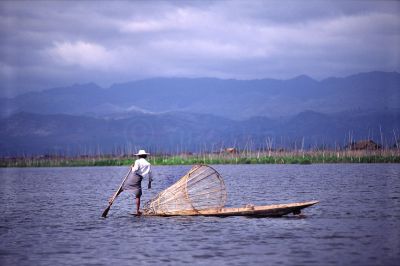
column 143, row 168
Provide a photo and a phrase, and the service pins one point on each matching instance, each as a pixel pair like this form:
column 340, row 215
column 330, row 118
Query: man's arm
column 150, row 179
column 135, row 166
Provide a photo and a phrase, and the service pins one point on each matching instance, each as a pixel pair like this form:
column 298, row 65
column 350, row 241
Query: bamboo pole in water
column 105, row 212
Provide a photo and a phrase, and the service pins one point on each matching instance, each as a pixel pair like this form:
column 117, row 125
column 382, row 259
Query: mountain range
column 235, row 99
column 203, row 114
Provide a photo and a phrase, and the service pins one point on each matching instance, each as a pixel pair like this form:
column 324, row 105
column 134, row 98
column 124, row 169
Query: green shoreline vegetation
column 271, row 157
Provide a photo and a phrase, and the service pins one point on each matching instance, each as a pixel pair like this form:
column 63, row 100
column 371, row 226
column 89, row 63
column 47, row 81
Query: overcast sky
column 53, row 43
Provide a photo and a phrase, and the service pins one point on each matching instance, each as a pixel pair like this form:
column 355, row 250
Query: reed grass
column 271, row 157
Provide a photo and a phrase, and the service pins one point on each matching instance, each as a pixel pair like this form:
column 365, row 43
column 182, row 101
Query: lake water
column 51, row 216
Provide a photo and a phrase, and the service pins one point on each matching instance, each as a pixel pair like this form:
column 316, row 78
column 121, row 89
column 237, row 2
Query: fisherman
column 140, row 169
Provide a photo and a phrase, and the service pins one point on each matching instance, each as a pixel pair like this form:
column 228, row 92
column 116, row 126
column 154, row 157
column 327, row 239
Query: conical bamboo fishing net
column 201, row 188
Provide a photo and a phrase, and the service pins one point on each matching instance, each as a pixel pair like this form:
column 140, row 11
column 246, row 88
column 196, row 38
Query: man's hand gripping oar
column 111, row 201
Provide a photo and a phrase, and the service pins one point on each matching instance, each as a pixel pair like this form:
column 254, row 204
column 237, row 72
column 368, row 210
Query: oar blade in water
column 104, row 215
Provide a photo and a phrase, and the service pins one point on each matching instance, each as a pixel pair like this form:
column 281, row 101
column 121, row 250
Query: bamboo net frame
column 201, row 188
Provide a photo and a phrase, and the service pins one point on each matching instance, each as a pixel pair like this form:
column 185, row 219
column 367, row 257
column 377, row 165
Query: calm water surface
column 51, row 216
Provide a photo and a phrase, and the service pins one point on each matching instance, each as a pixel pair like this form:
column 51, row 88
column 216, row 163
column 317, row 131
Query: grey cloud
column 55, row 43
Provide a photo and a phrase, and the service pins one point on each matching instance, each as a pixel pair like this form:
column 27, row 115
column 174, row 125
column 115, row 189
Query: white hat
column 142, row 152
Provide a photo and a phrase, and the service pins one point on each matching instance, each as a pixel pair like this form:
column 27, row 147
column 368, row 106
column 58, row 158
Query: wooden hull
column 251, row 211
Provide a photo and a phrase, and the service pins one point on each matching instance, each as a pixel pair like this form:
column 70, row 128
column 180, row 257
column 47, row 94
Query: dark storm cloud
column 54, row 43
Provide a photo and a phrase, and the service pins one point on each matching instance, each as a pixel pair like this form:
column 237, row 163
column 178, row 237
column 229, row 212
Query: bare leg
column 138, row 206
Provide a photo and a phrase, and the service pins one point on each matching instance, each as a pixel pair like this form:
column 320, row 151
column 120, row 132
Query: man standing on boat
column 140, row 169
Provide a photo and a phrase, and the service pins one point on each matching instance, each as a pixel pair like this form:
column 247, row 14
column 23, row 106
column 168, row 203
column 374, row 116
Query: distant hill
column 182, row 114
column 174, row 132
column 234, row 99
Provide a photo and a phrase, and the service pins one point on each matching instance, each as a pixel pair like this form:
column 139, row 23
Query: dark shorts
column 138, row 192
column 133, row 184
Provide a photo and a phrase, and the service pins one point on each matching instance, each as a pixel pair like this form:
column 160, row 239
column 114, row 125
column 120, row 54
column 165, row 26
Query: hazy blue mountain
column 68, row 100
column 235, row 99
column 27, row 133
column 181, row 114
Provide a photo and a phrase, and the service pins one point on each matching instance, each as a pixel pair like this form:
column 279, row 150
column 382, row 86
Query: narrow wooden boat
column 251, row 211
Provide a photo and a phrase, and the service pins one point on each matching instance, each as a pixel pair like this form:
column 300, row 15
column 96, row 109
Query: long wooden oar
column 104, row 215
